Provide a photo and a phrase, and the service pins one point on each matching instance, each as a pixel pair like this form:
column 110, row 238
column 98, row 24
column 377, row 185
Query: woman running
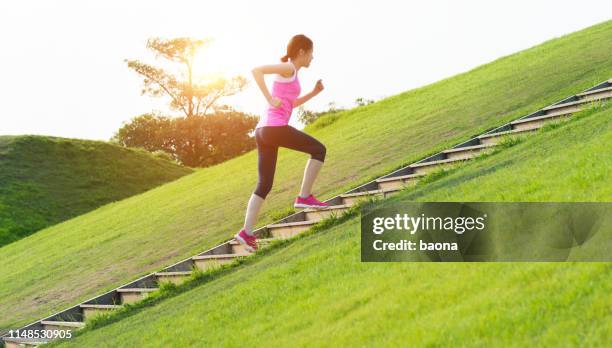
column 273, row 130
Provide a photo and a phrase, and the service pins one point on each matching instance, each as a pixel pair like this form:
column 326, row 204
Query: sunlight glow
column 217, row 60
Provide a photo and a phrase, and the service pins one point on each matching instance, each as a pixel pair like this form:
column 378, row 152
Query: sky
column 62, row 68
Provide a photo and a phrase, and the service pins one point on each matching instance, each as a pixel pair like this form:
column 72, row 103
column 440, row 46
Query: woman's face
column 306, row 57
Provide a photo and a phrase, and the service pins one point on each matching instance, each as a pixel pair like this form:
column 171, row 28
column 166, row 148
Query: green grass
column 98, row 251
column 45, row 180
column 314, row 291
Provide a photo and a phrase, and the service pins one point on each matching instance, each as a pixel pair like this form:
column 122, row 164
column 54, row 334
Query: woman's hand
column 318, row 87
column 274, row 101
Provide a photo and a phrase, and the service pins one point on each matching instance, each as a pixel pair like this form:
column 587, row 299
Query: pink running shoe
column 309, row 202
column 249, row 242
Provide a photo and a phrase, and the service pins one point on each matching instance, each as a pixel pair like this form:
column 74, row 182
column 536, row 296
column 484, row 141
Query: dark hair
column 293, row 48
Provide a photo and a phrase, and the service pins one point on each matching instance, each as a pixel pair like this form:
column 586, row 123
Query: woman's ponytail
column 285, row 58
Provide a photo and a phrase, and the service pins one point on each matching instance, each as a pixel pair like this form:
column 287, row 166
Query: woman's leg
column 292, row 138
column 266, row 166
column 250, row 218
column 311, row 171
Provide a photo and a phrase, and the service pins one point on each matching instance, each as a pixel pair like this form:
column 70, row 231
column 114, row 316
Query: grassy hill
column 77, row 259
column 316, row 292
column 45, row 180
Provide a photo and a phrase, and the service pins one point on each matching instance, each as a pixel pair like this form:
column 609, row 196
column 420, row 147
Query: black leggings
column 268, row 139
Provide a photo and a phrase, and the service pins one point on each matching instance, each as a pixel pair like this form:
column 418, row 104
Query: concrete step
column 576, row 105
column 62, row 325
column 601, row 91
column 565, row 109
column 320, row 214
column 22, row 342
column 312, row 216
column 494, row 138
column 467, row 152
column 536, row 122
column 399, row 182
column 238, row 248
column 131, row 295
column 352, row 198
column 172, row 277
column 556, row 111
column 91, row 310
column 289, row 229
column 205, row 262
column 427, row 167
column 453, row 155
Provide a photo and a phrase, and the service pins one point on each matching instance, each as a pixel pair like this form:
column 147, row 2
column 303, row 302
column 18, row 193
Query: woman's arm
column 316, row 90
column 258, row 74
column 301, row 100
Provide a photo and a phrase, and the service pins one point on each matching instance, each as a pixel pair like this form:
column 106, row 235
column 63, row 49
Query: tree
column 195, row 141
column 207, row 132
column 148, row 131
column 307, row 117
column 207, row 140
column 362, row 101
column 187, row 96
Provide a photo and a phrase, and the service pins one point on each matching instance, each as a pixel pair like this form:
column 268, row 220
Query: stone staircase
column 74, row 318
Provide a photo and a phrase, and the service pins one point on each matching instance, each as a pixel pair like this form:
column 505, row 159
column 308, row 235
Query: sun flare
column 214, row 61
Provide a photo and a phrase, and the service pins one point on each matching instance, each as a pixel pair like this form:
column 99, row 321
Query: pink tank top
column 287, row 90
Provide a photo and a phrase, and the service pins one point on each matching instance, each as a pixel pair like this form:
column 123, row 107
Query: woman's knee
column 262, row 190
column 319, row 153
